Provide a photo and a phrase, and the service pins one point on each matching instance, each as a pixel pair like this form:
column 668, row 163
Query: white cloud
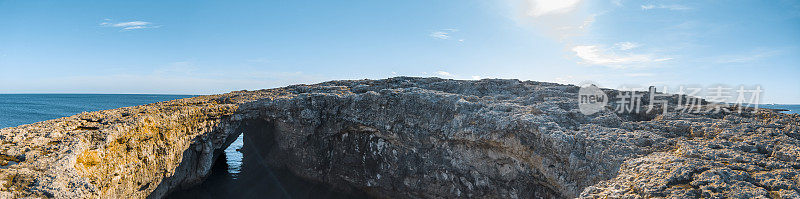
column 626, row 45
column 443, row 34
column 476, row 77
column 570, row 23
column 130, row 25
column 444, row 74
column 587, row 22
column 549, row 7
column 440, row 35
column 668, row 7
column 135, row 27
column 594, row 55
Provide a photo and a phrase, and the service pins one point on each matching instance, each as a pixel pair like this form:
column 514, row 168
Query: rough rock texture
column 411, row 137
column 139, row 151
column 753, row 156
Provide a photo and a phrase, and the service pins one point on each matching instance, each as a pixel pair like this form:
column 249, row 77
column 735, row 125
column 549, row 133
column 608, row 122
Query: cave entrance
column 241, row 172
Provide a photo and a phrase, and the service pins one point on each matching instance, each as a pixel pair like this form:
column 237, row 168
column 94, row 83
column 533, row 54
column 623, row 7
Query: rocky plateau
column 409, row 137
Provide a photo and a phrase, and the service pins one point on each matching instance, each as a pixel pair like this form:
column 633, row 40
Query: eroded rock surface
column 411, row 138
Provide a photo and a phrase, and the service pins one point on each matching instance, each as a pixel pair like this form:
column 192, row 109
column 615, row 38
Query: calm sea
column 234, row 176
column 792, row 108
column 19, row 109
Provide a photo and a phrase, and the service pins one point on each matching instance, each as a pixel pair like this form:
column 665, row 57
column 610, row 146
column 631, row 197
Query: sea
column 790, row 108
column 233, row 175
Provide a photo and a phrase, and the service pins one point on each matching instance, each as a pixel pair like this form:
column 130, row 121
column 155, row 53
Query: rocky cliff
column 410, row 138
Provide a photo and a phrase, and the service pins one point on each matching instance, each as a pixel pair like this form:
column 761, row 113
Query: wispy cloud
column 668, row 7
column 444, row 74
column 587, row 22
column 444, row 34
column 130, row 25
column 440, row 35
column 571, row 23
column 448, row 75
column 548, row 7
column 626, row 45
column 594, row 55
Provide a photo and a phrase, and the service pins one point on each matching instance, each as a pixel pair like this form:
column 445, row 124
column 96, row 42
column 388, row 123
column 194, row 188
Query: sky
column 207, row 47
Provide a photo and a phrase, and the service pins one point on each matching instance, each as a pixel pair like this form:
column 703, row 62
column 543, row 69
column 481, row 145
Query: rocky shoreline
column 410, row 138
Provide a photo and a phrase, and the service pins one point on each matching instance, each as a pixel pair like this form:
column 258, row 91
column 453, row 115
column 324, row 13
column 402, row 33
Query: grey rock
column 411, row 138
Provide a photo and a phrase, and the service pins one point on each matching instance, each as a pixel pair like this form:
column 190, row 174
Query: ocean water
column 235, row 175
column 19, row 109
column 792, row 108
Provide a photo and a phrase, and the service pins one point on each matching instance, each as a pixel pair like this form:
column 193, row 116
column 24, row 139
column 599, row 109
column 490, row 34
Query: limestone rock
column 411, row 138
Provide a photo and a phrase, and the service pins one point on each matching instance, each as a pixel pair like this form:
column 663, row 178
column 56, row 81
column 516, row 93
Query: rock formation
column 410, row 138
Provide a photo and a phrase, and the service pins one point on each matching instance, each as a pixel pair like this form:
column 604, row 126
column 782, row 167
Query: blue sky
column 204, row 47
